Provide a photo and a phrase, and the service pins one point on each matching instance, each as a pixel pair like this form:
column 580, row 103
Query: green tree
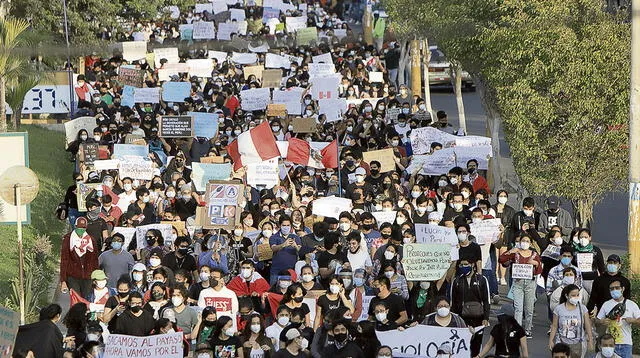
column 11, row 63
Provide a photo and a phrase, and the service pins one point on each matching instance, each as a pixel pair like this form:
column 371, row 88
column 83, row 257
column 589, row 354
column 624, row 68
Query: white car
column 440, row 71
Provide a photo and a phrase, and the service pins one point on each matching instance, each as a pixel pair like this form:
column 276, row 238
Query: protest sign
column 472, row 141
column 165, row 229
column 270, row 13
column 175, row 91
column 421, row 139
column 424, row 341
column 201, row 173
column 294, row 24
column 204, row 30
column 332, row 108
column 290, row 97
column 146, row 95
column 9, row 322
column 265, row 252
column 212, row 159
column 306, row 36
column 106, row 164
column 479, row 153
column 272, row 60
column 435, row 234
column 170, row 53
column 222, row 17
column 225, row 30
column 237, row 14
column 366, row 302
column 176, row 127
column 134, row 139
column 486, row 231
column 322, row 69
column 133, row 50
column 253, row 70
column 522, row 271
column 276, row 110
column 384, row 156
column 201, row 67
column 204, row 124
column 221, row 202
column 426, row 262
column 131, row 77
column 392, row 115
column 72, row 127
column 135, row 168
column 180, row 226
column 272, row 78
column 585, row 261
column 186, row 32
column 200, row 8
column 434, row 164
column 376, row 77
column 160, row 345
column 244, row 58
column 89, row 153
column 121, row 150
column 384, row 216
column 325, row 86
column 219, row 6
column 331, row 206
column 174, row 11
column 127, row 96
column 304, row 125
column 255, row 99
column 324, row 58
column 263, row 174
column 340, row 33
column 127, row 232
column 82, row 192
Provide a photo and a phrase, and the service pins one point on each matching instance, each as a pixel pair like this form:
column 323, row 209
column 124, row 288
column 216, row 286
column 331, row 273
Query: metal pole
column 20, row 254
column 66, row 34
column 634, row 142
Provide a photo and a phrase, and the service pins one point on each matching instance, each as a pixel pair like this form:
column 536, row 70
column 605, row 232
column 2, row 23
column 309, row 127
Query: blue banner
column 204, row 124
column 175, row 91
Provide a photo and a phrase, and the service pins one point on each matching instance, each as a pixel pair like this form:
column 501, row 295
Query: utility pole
column 634, row 142
column 416, row 74
column 367, row 23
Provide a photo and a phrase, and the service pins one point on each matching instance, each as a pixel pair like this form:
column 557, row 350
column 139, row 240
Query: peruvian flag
column 300, row 152
column 253, row 146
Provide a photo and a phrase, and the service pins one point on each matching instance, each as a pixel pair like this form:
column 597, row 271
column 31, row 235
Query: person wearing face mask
column 396, row 311
column 457, row 210
column 505, row 213
column 468, row 249
column 158, row 300
column 109, row 212
column 206, row 325
column 600, row 288
column 96, row 227
column 607, row 345
column 343, row 346
column 470, row 300
column 358, row 255
column 78, row 259
column 508, row 337
column 556, row 216
column 334, row 298
column 42, row 338
column 295, row 345
column 219, row 296
column 282, row 320
column 555, row 276
column 421, row 298
column 443, row 317
column 398, row 282
column 224, row 339
column 618, row 315
column 116, row 304
column 589, row 258
column 571, row 323
column 117, row 261
column 181, row 258
column 524, row 286
column 249, row 283
column 100, row 294
column 127, row 196
column 285, row 245
column 254, row 341
column 569, row 278
column 331, row 257
column 474, row 178
column 186, row 317
column 527, row 219
column 154, row 243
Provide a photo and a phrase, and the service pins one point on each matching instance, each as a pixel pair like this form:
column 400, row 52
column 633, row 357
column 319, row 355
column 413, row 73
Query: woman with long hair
column 254, row 342
column 223, row 340
column 571, row 323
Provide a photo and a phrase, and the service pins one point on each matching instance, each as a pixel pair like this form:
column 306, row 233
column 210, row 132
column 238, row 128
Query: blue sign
column 270, row 13
column 176, row 91
column 201, row 173
column 127, row 96
column 204, row 124
column 120, row 150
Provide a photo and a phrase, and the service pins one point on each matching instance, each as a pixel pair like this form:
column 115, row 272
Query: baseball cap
column 614, row 258
column 139, row 267
column 98, row 275
column 553, row 202
column 360, row 171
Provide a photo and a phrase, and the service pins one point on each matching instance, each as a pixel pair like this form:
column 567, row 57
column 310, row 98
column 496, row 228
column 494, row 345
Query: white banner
column 290, row 97
column 332, row 108
column 264, row 173
column 424, row 341
column 486, row 231
column 331, row 206
column 244, row 58
column 384, row 216
column 272, row 60
column 160, row 345
column 321, row 69
column 134, row 50
column 136, row 168
column 325, row 87
column 421, row 139
column 324, row 58
column 203, row 30
column 295, row 23
column 435, row 234
column 255, row 99
column 437, row 163
column 73, row 126
column 225, row 29
column 170, row 53
column 200, row 67
column 146, row 95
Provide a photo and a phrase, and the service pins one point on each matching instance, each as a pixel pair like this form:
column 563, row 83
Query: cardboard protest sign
column 331, row 206
column 89, row 153
column 376, row 77
column 271, row 78
column 176, row 127
column 276, row 110
column 170, row 53
column 253, row 70
column 426, row 262
column 131, row 77
column 204, row 30
column 202, row 173
column 522, row 271
column 201, row 67
column 255, row 99
column 122, row 150
column 180, row 226
column 294, row 24
column 304, row 125
column 264, row 252
column 424, row 341
column 82, row 192
column 176, row 91
column 221, row 202
column 136, row 168
column 384, row 216
column 9, row 322
column 160, row 345
column 165, row 229
column 486, row 231
column 264, row 174
column 290, row 97
column 204, row 124
column 212, row 160
column 384, row 156
column 133, row 50
column 146, row 95
column 306, row 36
column 72, row 127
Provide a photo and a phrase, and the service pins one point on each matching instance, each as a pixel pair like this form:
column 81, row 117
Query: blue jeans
column 624, row 350
column 72, row 215
column 524, row 298
column 491, row 274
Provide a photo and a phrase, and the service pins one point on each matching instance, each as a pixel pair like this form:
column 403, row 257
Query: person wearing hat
column 555, row 215
column 618, row 315
column 600, row 288
column 78, row 259
column 100, row 294
column 295, row 344
column 117, row 261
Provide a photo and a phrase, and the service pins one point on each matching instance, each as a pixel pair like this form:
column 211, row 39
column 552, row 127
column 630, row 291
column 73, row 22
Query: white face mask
column 127, row 187
column 389, row 255
column 443, row 311
column 574, row 300
column 528, row 212
column 335, row 289
column 255, row 328
column 607, row 352
column 101, row 284
column 454, row 180
column 415, row 194
column 558, row 241
column 425, row 285
column 267, row 233
column 307, row 278
column 283, row 321
column 177, row 301
column 466, row 194
column 476, row 220
column 345, row 226
column 584, row 242
column 381, row 316
column 229, row 332
column 389, row 274
column 457, row 206
column 154, row 262
column 462, row 236
column 400, row 220
column 525, row 245
column 503, row 199
column 137, row 277
column 246, row 273
column 238, row 232
column 568, row 280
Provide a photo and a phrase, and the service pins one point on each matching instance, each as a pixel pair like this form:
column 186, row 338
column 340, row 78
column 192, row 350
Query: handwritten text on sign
column 585, row 261
column 163, row 345
column 426, row 262
column 522, row 271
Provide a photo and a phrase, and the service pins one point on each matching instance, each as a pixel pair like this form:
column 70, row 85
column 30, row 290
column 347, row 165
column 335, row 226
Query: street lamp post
column 634, row 142
column 70, row 68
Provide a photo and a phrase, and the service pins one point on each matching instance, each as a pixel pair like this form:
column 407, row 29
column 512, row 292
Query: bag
column 472, row 310
column 617, row 310
column 62, row 211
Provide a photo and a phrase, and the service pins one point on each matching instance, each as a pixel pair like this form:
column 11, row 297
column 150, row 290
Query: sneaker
column 496, row 299
column 549, row 332
column 503, row 282
column 529, row 335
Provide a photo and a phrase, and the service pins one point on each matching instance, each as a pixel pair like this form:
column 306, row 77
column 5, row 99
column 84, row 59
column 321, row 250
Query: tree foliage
column 558, row 73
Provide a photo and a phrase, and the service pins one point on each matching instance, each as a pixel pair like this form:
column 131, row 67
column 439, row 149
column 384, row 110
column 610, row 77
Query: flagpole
column 339, row 171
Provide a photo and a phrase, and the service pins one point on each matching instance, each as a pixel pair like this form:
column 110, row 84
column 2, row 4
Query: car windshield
column 437, row 56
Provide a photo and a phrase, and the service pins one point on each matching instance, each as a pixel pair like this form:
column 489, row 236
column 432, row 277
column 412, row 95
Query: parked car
column 440, row 71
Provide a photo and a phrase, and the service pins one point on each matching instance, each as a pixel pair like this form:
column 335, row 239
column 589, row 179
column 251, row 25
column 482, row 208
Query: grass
column 48, row 159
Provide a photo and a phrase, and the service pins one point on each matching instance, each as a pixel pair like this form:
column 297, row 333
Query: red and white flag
column 300, row 152
column 253, row 146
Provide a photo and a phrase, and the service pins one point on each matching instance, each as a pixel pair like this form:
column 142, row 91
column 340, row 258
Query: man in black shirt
column 396, row 310
column 342, row 346
column 332, row 256
column 469, row 251
column 600, row 289
column 180, row 259
column 96, row 226
column 135, row 321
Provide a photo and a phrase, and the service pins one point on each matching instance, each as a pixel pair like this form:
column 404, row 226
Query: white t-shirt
column 125, row 200
column 273, row 332
column 620, row 329
column 224, row 301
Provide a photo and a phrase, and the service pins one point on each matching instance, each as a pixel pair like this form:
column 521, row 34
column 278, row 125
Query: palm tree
column 11, row 63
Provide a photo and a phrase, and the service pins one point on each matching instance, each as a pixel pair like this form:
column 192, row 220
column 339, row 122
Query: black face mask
column 340, row 337
column 213, row 282
column 150, row 242
column 209, row 323
column 136, row 309
column 157, row 295
column 123, row 294
column 367, row 226
column 375, row 172
column 298, row 299
column 183, row 250
column 385, row 236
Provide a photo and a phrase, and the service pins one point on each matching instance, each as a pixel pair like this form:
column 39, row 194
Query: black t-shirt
column 304, row 309
column 325, row 257
column 284, row 353
column 112, row 303
column 227, row 348
column 507, row 341
column 393, row 302
column 327, row 304
column 194, row 290
column 95, row 229
column 135, row 326
column 173, row 262
column 472, row 253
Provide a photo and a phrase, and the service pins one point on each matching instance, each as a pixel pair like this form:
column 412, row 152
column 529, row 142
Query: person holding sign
column 588, row 259
column 525, row 265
